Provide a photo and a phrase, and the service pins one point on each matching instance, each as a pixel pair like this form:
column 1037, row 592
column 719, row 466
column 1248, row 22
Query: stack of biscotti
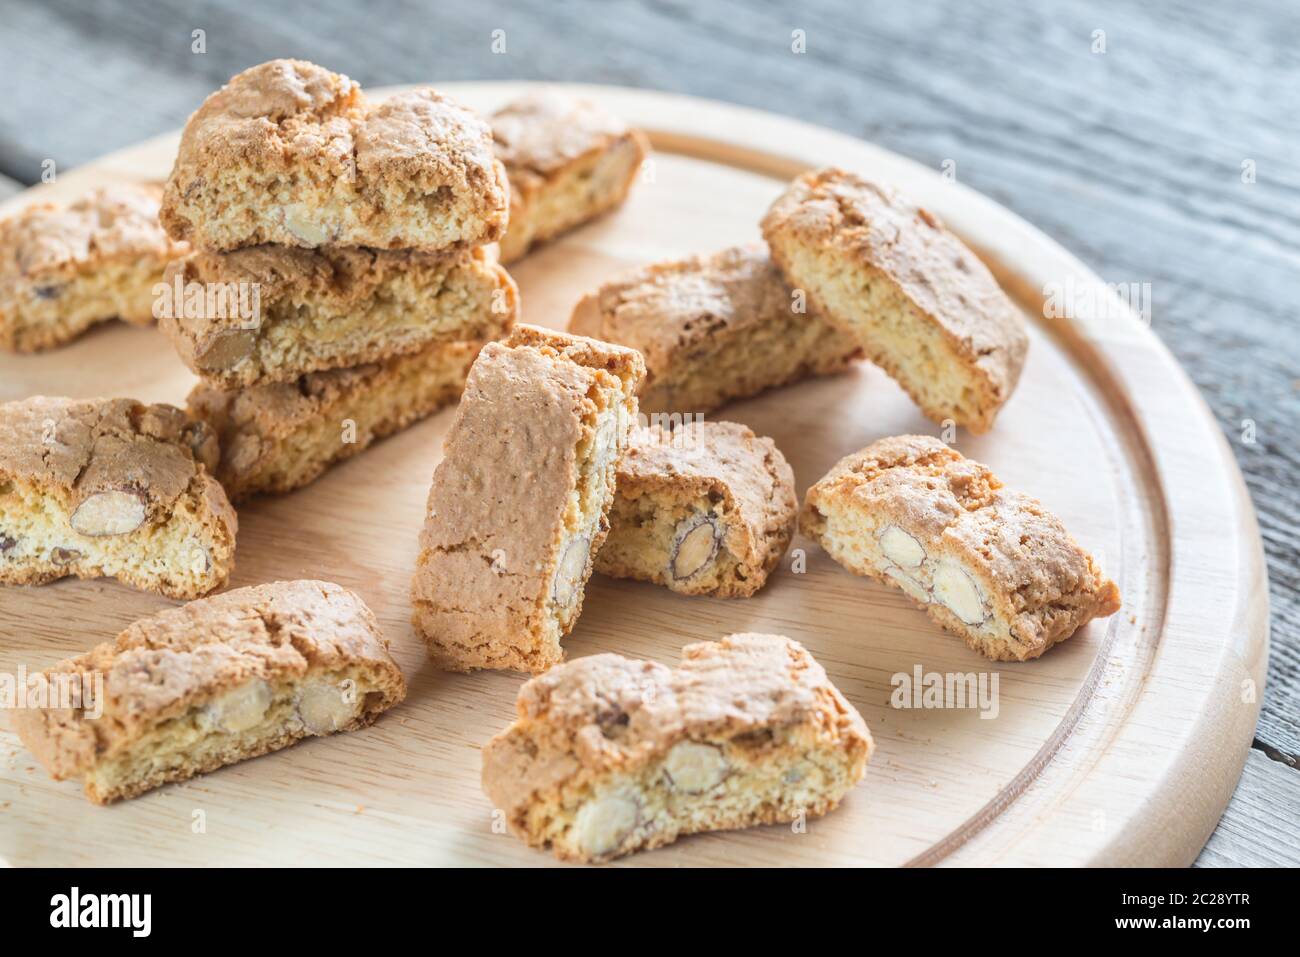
column 345, row 270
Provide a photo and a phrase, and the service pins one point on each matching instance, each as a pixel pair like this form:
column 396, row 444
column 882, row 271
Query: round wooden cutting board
column 1120, row 746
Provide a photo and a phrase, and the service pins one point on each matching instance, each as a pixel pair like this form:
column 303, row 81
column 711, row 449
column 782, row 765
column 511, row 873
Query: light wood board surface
column 1120, row 746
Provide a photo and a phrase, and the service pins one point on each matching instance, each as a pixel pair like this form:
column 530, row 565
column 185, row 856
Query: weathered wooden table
column 1157, row 144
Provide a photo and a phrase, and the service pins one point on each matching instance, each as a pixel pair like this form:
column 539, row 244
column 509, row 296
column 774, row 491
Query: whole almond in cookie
column 989, row 564
column 609, row 755
column 211, row 683
column 705, row 509
column 112, row 488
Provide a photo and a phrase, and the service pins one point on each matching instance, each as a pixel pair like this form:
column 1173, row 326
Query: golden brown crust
column 290, row 153
column 713, row 329
column 568, row 161
column 607, row 722
column 331, row 308
column 280, row 436
column 1036, row 585
column 834, row 234
column 49, row 240
column 64, row 268
column 74, row 445
column 715, row 473
column 166, row 665
column 541, row 134
column 624, row 364
column 527, row 473
column 111, row 487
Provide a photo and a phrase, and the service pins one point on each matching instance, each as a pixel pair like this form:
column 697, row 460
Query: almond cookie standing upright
column 520, row 500
column 706, row 509
column 609, row 755
column 113, row 488
column 217, row 681
column 65, row 268
column 289, row 153
column 568, row 161
column 923, row 306
column 989, row 564
column 713, row 329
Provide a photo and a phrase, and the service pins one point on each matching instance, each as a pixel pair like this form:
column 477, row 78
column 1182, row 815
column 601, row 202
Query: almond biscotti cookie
column 705, row 509
column 111, row 488
column 987, row 563
column 283, row 435
column 713, row 329
column 332, row 308
column 288, row 152
column 609, row 755
column 65, row 268
column 568, row 161
column 924, row 307
column 520, row 500
column 214, row 682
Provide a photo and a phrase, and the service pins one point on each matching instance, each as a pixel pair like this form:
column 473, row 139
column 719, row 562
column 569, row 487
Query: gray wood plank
column 1131, row 158
column 1261, row 827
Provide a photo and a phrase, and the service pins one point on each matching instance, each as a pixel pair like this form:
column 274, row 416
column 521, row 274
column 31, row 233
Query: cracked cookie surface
column 289, row 153
column 520, row 499
column 705, row 509
column 713, row 329
column 112, row 488
column 923, row 306
column 214, row 682
column 610, row 755
column 987, row 563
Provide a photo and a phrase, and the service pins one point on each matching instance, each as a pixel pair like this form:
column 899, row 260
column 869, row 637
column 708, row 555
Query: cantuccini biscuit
column 987, row 563
column 332, row 308
column 283, row 435
column 111, row 487
column 609, row 755
column 706, row 509
column 214, row 682
column 520, row 500
column 568, row 161
column 288, row 152
column 924, row 307
column 65, row 268
column 713, row 329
